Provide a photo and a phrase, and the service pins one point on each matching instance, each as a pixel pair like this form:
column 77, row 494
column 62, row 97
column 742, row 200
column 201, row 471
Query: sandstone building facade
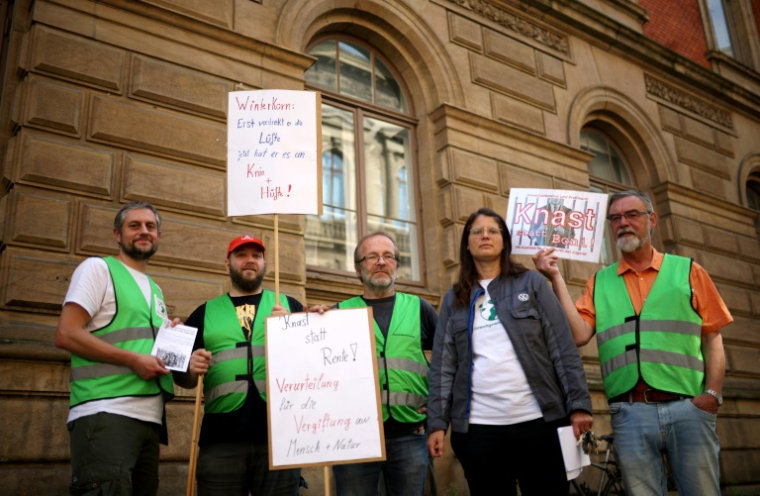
column 431, row 110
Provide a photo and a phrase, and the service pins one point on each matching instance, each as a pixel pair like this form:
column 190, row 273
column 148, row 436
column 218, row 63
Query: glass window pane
column 331, row 238
column 405, row 234
column 600, row 166
column 619, row 169
column 338, row 158
column 387, row 90
column 388, row 170
column 596, row 143
column 607, row 163
column 720, row 26
column 753, row 192
column 323, row 73
column 355, row 71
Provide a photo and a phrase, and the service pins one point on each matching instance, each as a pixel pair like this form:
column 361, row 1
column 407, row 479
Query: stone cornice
column 517, row 24
column 686, row 101
column 599, row 30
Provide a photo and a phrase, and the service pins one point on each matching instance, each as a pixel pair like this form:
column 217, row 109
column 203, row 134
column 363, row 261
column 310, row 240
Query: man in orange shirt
column 657, row 319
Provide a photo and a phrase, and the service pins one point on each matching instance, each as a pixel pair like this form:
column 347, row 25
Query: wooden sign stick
column 276, row 261
column 194, row 445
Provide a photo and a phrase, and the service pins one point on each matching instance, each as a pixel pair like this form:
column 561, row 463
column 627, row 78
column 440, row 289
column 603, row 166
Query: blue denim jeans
column 404, row 470
column 686, row 433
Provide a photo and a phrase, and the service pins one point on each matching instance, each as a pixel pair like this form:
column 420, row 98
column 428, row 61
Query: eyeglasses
column 373, row 258
column 630, row 215
column 478, row 231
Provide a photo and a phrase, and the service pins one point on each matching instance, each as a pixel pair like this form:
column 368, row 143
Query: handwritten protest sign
column 572, row 222
column 274, row 153
column 322, row 389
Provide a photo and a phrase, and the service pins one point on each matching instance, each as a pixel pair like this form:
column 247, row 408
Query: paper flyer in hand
column 571, row 222
column 174, row 345
column 572, row 453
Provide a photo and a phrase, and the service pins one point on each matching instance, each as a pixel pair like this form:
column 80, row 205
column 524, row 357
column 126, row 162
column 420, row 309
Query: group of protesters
column 504, row 373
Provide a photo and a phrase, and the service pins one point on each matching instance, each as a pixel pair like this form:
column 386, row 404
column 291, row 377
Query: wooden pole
column 194, row 445
column 276, row 261
column 327, row 480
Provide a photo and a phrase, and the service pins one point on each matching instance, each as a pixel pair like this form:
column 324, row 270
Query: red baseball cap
column 245, row 239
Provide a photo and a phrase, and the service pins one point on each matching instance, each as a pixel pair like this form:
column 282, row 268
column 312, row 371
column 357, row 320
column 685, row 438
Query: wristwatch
column 716, row 395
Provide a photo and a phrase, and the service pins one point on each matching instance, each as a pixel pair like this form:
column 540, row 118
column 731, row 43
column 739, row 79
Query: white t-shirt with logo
column 501, row 394
column 92, row 289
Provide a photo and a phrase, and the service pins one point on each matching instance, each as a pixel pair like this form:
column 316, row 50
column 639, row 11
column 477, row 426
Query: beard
column 628, row 244
column 376, row 281
column 136, row 253
column 244, row 284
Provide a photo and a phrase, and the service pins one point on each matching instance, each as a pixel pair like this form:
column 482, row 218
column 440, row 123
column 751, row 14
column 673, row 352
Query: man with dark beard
column 229, row 350
column 404, row 327
column 109, row 321
column 657, row 319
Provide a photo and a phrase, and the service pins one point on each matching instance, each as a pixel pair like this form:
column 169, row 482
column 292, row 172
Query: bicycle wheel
column 614, row 486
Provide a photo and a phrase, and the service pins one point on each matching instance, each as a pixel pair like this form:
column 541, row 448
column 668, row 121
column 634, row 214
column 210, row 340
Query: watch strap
column 716, row 395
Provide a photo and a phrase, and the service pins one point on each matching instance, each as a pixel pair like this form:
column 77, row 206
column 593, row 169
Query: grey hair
column 372, row 235
column 119, row 219
column 633, row 192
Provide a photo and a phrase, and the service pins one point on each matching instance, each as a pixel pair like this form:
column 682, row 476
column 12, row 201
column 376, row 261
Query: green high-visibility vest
column 225, row 385
column 133, row 328
column 662, row 345
column 402, row 365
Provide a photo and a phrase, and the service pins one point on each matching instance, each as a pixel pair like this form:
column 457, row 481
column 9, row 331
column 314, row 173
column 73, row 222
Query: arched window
column 753, row 196
column 753, row 191
column 367, row 161
column 608, row 173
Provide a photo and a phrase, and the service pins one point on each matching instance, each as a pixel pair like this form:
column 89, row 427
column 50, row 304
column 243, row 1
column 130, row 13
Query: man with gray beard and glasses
column 657, row 318
column 404, row 327
column 229, row 350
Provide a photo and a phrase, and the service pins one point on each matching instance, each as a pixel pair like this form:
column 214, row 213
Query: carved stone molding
column 688, row 102
column 517, row 24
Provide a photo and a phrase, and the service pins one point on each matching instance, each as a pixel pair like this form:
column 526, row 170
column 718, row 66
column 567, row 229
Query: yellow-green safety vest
column 225, row 385
column 662, row 345
column 132, row 328
column 402, row 366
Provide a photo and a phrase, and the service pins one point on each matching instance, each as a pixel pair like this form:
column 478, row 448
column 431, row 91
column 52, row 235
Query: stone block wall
column 112, row 101
column 106, row 109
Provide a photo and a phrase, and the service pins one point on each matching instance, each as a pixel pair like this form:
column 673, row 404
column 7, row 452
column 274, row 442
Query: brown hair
column 468, row 274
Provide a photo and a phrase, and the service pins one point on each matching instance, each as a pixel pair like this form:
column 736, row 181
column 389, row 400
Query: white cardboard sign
column 274, row 145
column 572, row 222
column 322, row 389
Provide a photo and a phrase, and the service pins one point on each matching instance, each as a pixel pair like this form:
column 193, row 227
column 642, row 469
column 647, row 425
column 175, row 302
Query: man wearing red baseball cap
column 229, row 350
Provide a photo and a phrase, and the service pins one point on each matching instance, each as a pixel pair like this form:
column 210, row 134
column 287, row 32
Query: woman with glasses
column 505, row 371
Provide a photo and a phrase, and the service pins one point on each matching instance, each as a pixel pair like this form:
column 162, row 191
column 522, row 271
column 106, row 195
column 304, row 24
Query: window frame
column 742, row 32
column 361, row 109
column 608, row 186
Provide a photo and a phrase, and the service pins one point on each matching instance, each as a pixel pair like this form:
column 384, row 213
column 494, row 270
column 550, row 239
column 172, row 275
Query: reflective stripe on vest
column 132, row 328
column 663, row 344
column 225, row 385
column 402, row 366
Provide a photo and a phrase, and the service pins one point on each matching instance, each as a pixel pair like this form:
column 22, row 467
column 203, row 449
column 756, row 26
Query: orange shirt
column 705, row 297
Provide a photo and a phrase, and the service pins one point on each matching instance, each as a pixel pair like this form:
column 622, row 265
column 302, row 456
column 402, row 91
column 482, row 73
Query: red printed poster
column 274, row 161
column 322, row 389
column 572, row 222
